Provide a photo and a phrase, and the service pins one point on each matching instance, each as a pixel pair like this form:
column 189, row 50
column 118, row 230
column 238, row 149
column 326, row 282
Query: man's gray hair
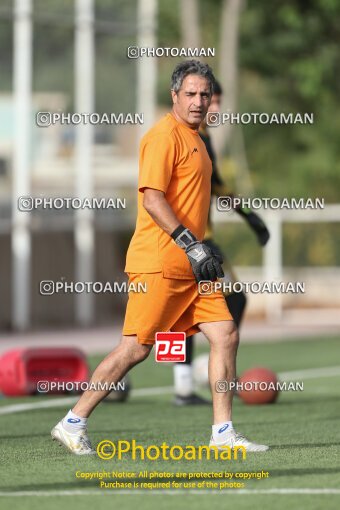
column 191, row 67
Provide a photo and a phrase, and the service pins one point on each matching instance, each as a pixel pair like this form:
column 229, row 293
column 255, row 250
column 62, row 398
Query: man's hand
column 215, row 249
column 205, row 265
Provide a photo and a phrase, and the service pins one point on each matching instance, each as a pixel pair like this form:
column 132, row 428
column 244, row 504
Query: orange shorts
column 169, row 305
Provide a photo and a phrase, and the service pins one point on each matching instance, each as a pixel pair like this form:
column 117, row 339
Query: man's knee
column 143, row 351
column 140, row 352
column 133, row 351
column 233, row 338
column 228, row 336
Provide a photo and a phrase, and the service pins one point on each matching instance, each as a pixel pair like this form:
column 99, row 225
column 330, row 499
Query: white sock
column 183, row 379
column 73, row 423
column 220, row 431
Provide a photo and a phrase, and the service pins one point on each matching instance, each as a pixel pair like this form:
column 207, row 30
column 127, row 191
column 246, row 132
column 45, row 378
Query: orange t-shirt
column 173, row 159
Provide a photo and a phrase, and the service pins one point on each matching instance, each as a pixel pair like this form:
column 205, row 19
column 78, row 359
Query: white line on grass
column 309, row 373
column 179, row 492
column 61, row 402
column 17, row 408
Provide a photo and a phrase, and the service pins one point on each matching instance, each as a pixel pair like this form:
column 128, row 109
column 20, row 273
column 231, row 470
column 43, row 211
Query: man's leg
column 71, row 430
column 223, row 339
column 111, row 370
column 184, row 380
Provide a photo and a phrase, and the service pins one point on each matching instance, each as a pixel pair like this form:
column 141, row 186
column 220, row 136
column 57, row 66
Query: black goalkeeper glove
column 215, row 249
column 205, row 265
column 255, row 222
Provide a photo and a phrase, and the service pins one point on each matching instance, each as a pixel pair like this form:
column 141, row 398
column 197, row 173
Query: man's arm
column 155, row 203
column 205, row 265
column 220, row 189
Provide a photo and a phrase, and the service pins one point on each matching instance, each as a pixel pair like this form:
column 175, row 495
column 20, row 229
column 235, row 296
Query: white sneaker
column 235, row 439
column 77, row 443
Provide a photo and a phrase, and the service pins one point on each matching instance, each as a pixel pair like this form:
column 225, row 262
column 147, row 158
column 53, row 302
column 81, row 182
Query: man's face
column 191, row 102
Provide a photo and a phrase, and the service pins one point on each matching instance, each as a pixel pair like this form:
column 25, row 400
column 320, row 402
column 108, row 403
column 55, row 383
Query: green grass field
column 302, row 429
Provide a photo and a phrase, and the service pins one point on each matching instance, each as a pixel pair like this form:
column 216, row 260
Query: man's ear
column 174, row 96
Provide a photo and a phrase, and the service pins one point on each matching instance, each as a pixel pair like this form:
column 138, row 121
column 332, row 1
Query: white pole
column 21, row 240
column 190, row 17
column 273, row 265
column 84, row 103
column 146, row 66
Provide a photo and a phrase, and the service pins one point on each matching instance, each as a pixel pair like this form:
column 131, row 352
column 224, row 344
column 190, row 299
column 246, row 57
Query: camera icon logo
column 46, row 287
column 213, row 119
column 221, row 386
column 42, row 386
column 44, row 119
column 133, row 52
column 25, row 204
column 224, row 204
column 205, row 287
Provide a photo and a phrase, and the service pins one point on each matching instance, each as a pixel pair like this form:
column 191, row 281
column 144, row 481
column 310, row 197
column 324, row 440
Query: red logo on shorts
column 170, row 346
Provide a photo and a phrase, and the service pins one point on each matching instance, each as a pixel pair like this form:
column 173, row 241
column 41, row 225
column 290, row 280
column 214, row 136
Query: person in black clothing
column 183, row 377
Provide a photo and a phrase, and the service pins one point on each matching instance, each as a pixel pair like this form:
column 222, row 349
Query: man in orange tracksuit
column 166, row 252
